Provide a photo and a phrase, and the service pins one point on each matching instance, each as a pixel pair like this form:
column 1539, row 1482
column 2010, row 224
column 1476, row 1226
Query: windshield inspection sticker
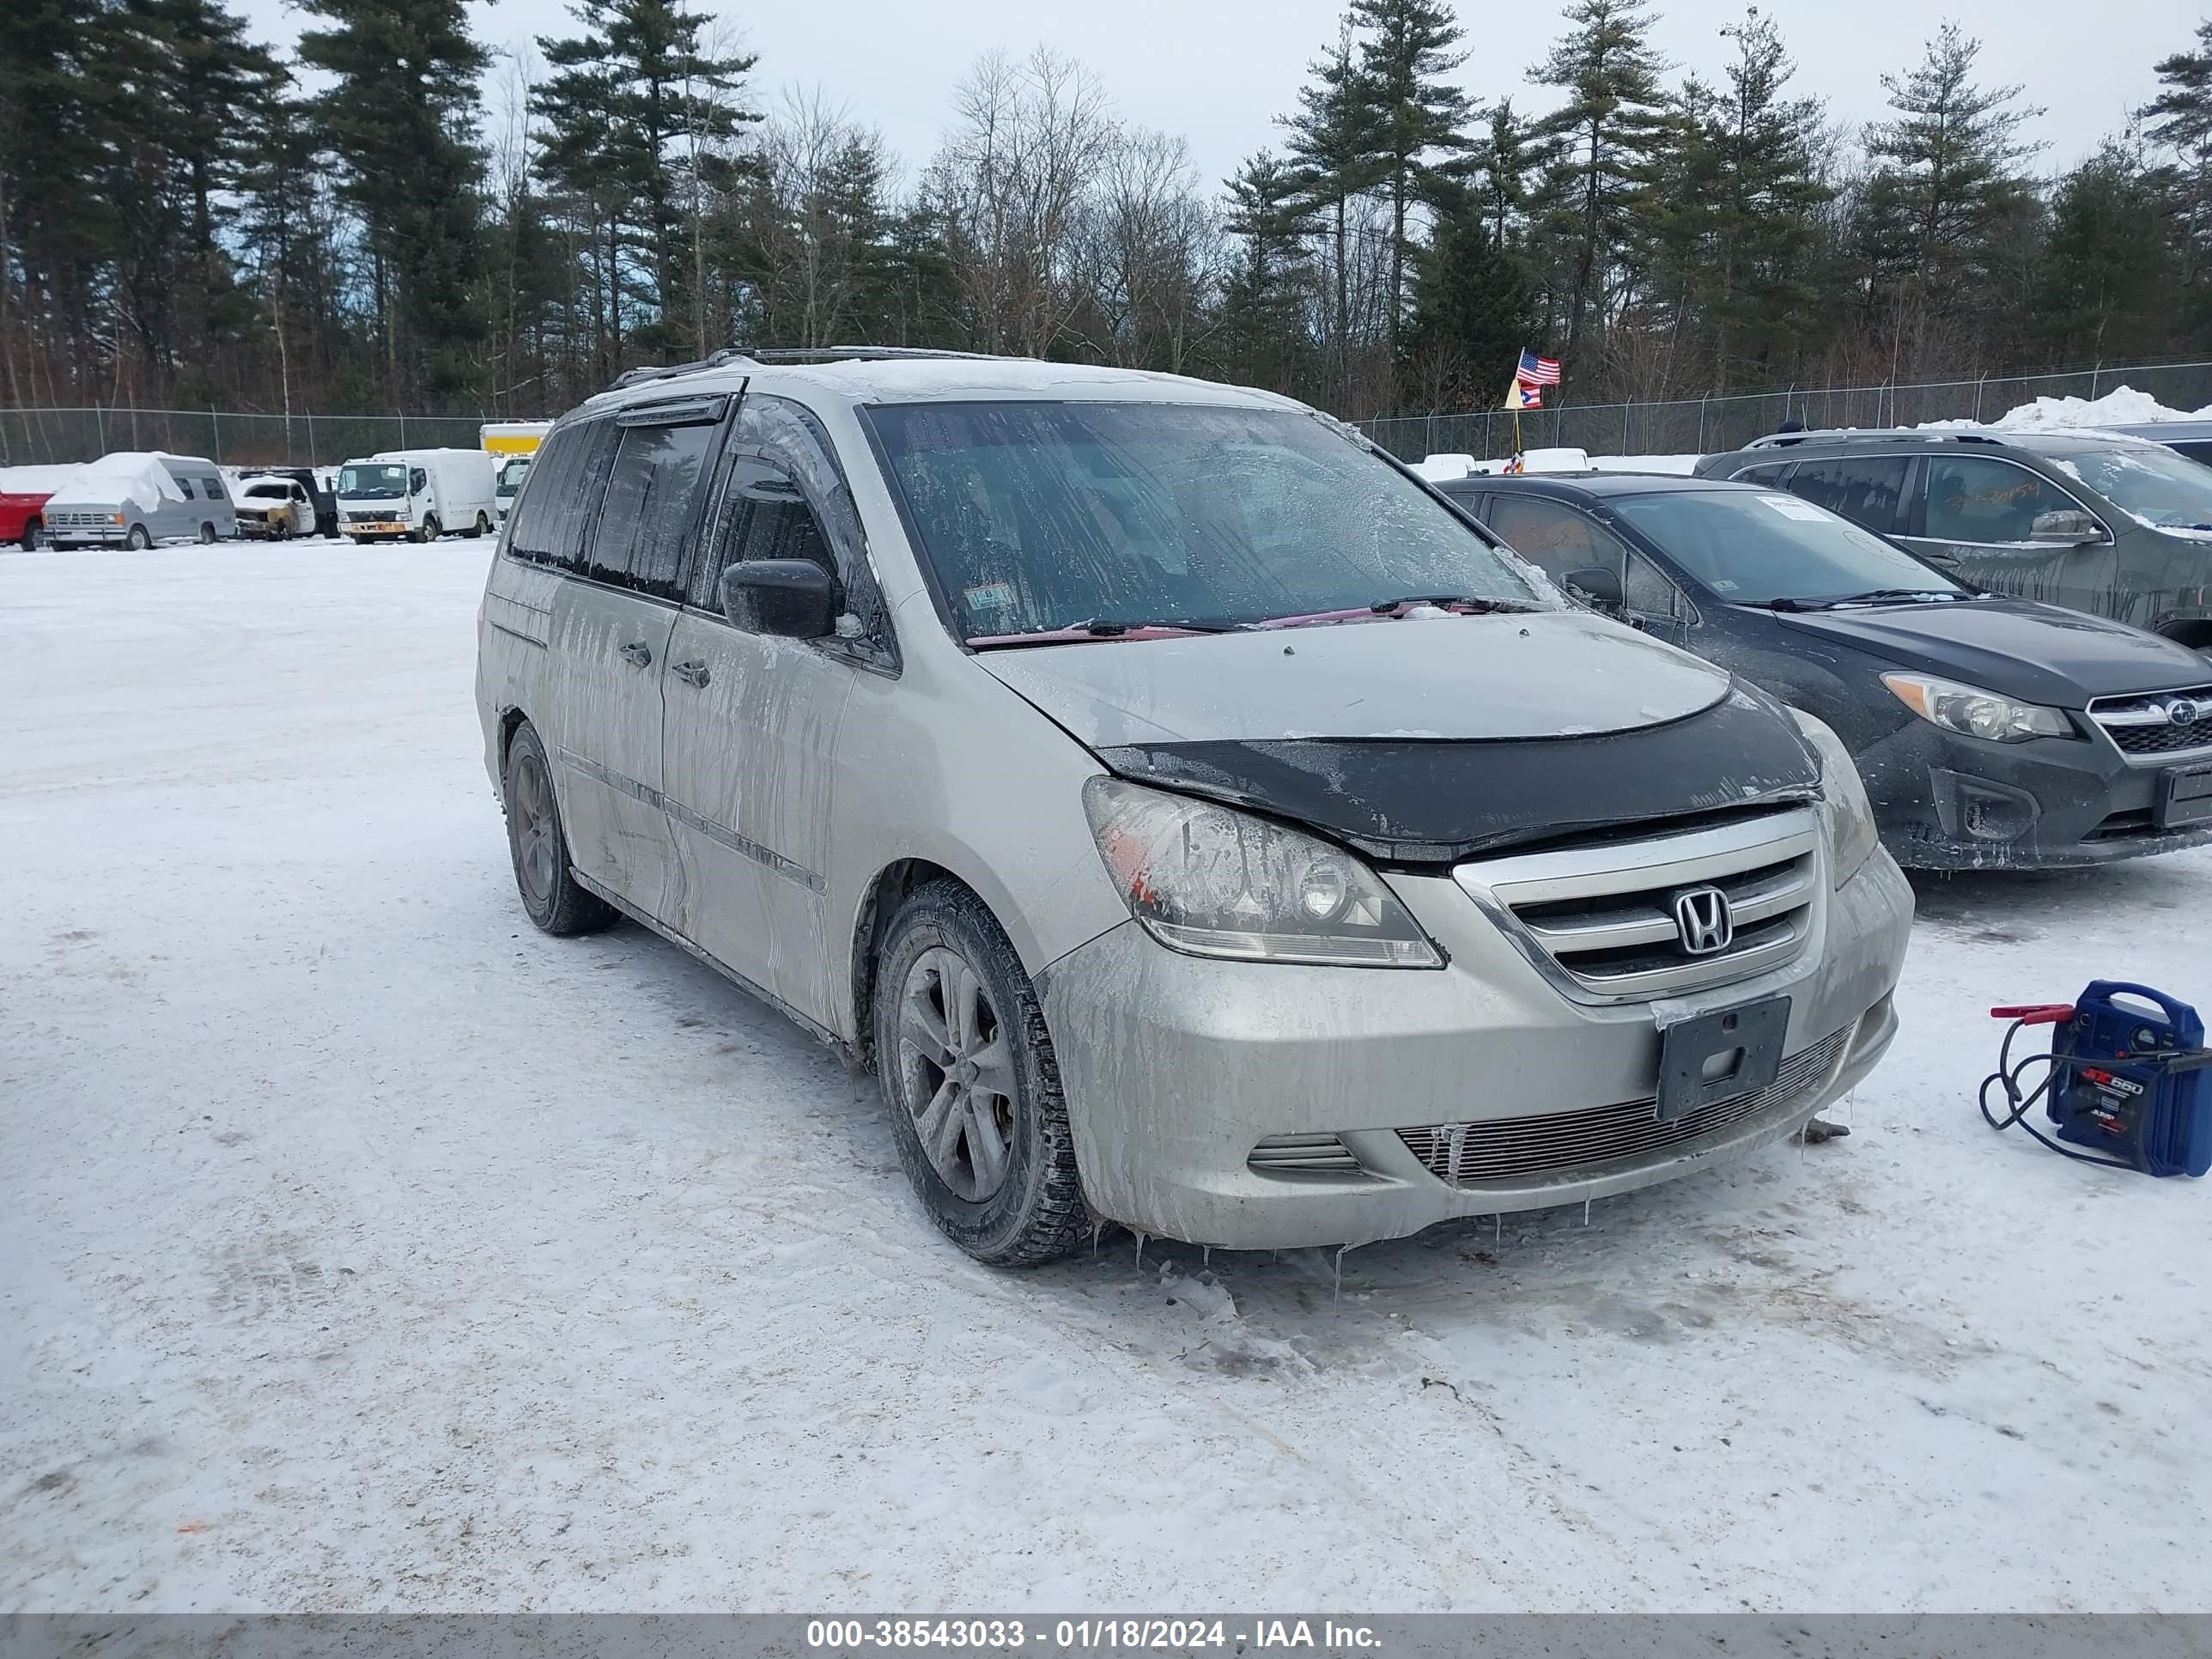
column 1790, row 507
column 988, row 596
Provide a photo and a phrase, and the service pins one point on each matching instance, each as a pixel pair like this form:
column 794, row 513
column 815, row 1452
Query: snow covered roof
column 136, row 477
column 33, row 480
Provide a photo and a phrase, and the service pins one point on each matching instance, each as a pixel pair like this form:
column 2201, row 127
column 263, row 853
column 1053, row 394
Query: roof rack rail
column 867, row 354
column 843, row 354
column 662, row 371
column 1874, row 435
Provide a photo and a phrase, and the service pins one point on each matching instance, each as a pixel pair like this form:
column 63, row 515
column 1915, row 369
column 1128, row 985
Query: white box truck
column 416, row 493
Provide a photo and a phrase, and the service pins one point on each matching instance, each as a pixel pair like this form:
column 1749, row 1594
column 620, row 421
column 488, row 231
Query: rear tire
column 969, row 1074
column 539, row 846
column 207, row 535
column 35, row 536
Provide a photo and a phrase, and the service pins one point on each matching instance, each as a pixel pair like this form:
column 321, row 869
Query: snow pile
column 33, row 480
column 2122, row 406
column 126, row 476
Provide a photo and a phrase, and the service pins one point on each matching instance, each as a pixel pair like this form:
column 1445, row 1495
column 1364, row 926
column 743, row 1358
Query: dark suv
column 2094, row 521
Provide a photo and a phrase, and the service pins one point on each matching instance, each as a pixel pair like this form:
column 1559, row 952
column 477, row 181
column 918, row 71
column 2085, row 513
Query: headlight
column 1845, row 809
column 1975, row 713
column 1213, row 881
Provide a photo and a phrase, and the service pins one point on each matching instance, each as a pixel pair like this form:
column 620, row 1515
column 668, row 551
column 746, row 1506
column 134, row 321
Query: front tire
column 968, row 1071
column 139, row 539
column 479, row 527
column 430, row 531
column 539, row 847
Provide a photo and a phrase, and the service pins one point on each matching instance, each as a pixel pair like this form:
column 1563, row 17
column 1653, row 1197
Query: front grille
column 1603, row 917
column 73, row 521
column 1516, row 1148
column 1321, row 1154
column 2143, row 724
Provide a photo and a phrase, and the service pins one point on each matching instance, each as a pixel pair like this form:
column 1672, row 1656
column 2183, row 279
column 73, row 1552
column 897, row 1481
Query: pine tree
column 640, row 116
column 402, row 117
column 1474, row 308
column 1418, row 114
column 1335, row 139
column 2180, row 122
column 1602, row 143
column 1946, row 184
column 1502, row 159
column 2107, row 280
column 1741, row 217
column 1264, row 293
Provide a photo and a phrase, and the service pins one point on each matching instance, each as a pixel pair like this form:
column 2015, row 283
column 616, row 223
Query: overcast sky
column 1219, row 71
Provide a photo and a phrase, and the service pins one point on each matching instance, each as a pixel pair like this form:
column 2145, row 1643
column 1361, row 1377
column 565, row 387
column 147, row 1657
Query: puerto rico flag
column 1537, row 371
column 1523, row 395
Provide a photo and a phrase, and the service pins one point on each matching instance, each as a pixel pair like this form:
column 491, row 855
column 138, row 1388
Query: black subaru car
column 1990, row 732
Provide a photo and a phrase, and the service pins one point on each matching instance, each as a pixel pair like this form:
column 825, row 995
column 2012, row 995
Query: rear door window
column 1864, row 489
column 1554, row 538
column 1767, row 473
column 1972, row 499
column 185, row 484
column 652, row 486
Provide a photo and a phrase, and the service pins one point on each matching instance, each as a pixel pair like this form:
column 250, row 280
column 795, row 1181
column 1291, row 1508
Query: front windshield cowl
column 1145, row 521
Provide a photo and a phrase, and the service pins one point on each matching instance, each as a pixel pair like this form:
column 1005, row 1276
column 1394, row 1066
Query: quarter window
column 185, row 484
column 1973, row 500
column 1864, row 489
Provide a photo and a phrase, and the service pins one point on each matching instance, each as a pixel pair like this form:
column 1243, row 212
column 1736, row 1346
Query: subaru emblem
column 1703, row 918
column 2182, row 712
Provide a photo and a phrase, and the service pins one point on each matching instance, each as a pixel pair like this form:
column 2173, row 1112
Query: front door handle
column 639, row 652
column 692, row 673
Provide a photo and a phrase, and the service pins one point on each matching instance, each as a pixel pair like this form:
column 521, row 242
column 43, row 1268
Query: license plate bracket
column 2184, row 798
column 1716, row 1056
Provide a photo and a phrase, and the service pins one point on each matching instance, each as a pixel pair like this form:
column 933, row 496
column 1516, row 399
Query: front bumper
column 1949, row 802
column 1177, row 1067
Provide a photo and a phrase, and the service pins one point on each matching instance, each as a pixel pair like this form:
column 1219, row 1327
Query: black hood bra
column 1428, row 801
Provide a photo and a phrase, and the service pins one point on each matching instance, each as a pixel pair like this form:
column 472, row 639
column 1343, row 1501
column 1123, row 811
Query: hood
column 1546, row 674
column 2039, row 652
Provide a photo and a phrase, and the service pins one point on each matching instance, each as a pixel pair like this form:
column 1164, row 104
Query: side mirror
column 791, row 598
column 2067, row 525
column 1600, row 587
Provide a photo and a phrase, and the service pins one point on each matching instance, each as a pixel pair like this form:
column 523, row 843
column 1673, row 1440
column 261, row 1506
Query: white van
column 134, row 498
column 513, row 446
column 418, row 494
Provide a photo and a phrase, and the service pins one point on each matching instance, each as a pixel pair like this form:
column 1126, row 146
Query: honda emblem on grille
column 1703, row 918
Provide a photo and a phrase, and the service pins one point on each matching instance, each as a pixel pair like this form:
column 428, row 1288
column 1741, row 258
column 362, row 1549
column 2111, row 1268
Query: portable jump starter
column 2127, row 1078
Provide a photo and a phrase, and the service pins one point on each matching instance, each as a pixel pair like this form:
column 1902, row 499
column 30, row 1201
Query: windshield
column 511, row 475
column 361, row 478
column 2150, row 484
column 1043, row 516
column 1753, row 547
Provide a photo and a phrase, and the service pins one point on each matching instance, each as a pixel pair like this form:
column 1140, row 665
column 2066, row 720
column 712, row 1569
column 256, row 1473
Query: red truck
column 23, row 492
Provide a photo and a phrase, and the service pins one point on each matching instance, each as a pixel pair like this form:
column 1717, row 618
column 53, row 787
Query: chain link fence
column 1707, row 426
column 49, row 436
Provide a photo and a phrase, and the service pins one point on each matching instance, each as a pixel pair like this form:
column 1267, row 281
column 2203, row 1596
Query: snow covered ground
column 366, row 1249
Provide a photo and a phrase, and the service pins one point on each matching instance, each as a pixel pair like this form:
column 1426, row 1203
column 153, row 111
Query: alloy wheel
column 955, row 1073
column 529, row 798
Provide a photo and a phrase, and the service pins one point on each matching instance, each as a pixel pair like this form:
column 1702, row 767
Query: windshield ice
column 1038, row 516
column 2150, row 484
column 359, row 480
column 1753, row 548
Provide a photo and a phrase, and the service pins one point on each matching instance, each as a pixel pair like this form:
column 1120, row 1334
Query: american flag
column 1538, row 371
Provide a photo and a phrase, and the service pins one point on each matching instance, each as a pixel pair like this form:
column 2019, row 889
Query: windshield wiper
column 1872, row 596
column 1477, row 603
column 1106, row 628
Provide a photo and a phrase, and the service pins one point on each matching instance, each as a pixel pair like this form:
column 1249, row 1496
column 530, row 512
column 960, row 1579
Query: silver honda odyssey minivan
column 1195, row 822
